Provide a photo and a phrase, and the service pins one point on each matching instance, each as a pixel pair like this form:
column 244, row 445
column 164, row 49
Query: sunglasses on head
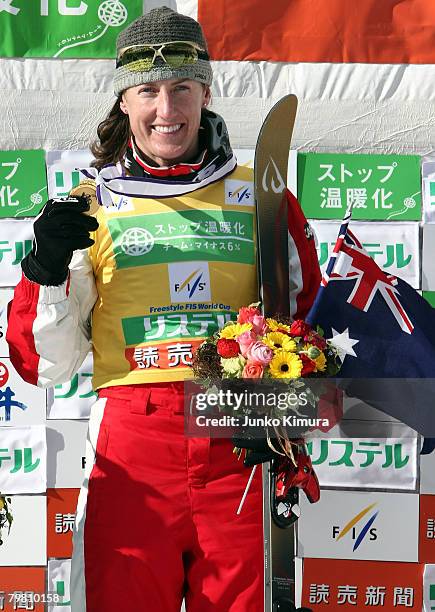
column 175, row 54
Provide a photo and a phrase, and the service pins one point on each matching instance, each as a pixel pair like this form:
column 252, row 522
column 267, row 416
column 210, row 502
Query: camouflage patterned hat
column 143, row 55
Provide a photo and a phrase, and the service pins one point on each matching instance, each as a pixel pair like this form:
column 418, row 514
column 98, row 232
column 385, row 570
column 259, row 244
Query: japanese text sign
column 429, row 588
column 393, row 246
column 64, row 28
column 22, row 588
column 23, row 459
column 59, row 571
column 381, row 187
column 426, row 551
column 23, row 184
column 21, row 403
column 63, row 170
column 357, row 585
column 16, row 238
column 61, row 514
column 365, row 463
column 73, row 400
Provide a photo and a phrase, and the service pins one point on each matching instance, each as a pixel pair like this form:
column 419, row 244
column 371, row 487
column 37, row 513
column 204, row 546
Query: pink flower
column 250, row 314
column 252, row 370
column 259, row 353
column 247, row 313
column 259, row 325
column 245, row 340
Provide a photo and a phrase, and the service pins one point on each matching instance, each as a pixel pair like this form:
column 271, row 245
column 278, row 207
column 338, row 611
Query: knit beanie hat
column 161, row 25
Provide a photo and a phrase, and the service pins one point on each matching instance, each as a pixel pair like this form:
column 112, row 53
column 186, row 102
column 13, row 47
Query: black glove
column 60, row 229
column 258, row 450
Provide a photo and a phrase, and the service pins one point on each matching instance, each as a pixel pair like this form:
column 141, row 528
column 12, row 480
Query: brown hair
column 113, row 136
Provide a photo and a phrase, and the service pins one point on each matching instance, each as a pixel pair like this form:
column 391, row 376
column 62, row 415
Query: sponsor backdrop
column 363, row 134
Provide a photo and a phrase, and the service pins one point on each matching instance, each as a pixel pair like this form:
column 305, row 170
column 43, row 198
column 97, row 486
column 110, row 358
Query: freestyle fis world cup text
column 63, row 7
column 189, row 306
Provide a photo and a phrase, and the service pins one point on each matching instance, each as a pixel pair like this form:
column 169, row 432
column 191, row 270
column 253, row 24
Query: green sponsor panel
column 23, row 183
column 174, row 323
column 202, row 235
column 430, row 297
column 381, row 187
column 64, row 28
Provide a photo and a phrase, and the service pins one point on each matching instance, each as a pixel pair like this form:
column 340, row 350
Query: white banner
column 20, row 403
column 23, row 459
column 428, row 263
column 59, row 571
column 429, row 588
column 5, row 297
column 66, row 443
column 428, row 180
column 372, row 526
column 393, row 246
column 26, row 543
column 62, row 170
column 365, row 463
column 73, row 400
column 16, row 238
column 427, row 474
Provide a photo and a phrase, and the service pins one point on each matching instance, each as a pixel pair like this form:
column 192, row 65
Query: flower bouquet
column 267, row 351
column 262, row 349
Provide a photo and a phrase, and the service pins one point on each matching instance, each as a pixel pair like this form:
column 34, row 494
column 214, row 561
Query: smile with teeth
column 167, row 129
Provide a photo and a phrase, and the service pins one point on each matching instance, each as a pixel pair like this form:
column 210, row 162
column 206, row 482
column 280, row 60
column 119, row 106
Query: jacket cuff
column 34, row 272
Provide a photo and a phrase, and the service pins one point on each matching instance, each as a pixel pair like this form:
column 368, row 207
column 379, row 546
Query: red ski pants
column 157, row 520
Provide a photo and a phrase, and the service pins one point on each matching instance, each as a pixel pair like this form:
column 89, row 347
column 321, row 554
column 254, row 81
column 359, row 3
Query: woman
column 166, row 259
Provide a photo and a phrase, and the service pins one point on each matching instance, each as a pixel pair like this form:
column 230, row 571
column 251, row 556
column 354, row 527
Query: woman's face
column 164, row 118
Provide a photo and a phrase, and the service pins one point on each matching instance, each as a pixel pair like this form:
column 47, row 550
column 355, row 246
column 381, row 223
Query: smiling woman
column 165, row 117
column 165, row 258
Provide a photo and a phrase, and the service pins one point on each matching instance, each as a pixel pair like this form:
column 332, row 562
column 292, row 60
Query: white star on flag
column 343, row 343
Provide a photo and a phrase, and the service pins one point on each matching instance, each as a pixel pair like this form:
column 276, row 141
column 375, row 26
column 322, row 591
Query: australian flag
column 384, row 331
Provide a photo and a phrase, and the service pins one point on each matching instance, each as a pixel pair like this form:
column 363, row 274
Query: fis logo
column 189, row 282
column 239, row 192
column 119, row 204
column 367, row 528
column 192, row 283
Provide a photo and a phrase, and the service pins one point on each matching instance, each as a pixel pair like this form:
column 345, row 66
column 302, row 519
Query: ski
column 270, row 181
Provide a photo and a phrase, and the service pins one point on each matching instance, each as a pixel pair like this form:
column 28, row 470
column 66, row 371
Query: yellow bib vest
column 169, row 273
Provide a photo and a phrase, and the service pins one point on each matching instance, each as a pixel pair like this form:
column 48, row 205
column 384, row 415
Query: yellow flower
column 320, row 362
column 277, row 341
column 230, row 332
column 285, row 365
column 274, row 325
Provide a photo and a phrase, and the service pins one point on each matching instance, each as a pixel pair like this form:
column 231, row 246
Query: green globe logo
column 136, row 241
column 112, row 13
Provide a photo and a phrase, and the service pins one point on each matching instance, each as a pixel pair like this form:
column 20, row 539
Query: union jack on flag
column 383, row 329
column 352, row 262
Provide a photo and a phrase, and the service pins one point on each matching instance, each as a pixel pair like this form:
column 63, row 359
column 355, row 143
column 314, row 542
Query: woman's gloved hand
column 258, row 450
column 60, row 229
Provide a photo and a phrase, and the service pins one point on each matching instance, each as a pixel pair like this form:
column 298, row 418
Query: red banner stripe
column 367, row 31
